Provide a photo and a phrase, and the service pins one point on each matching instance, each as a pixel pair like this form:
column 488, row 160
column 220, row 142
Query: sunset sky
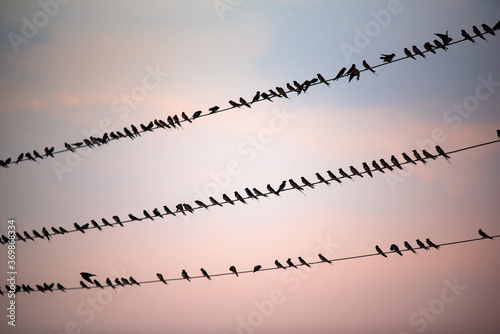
column 74, row 69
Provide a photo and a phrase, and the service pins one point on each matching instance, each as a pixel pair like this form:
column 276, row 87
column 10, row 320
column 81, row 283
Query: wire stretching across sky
column 298, row 264
column 157, row 124
column 4, row 239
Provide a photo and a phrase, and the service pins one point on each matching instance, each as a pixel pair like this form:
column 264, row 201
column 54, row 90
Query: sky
column 73, row 69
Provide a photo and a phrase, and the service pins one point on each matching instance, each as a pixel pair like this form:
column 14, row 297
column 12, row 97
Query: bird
column 290, row 263
column 444, row 37
column 47, row 287
column 428, row 47
column 291, row 88
column 185, row 275
column 266, row 96
column 333, row 176
column 281, row 187
column 428, row 155
column 256, row 97
column 200, row 204
column 306, row 183
column 84, row 285
column 180, row 209
column 118, row 282
column 133, row 281
column 322, row 79
column 26, row 234
column 94, row 223
column 430, row 243
column 127, row 132
column 60, row 287
column 147, row 215
column 351, row 69
column 354, row 171
column 418, row 157
column 239, row 197
column 321, row 178
column 244, row 103
column 87, row 276
column 304, row 262
column 96, row 282
column 387, row 58
column 46, row 233
column 496, row 26
column 278, row 264
column 282, row 92
column 353, row 74
column 5, row 164
column 36, row 154
column 149, row 127
column 39, row 287
column 377, row 248
column 368, row 67
column 125, row 281
column 478, row 33
column 234, row 104
column 340, row 74
column 204, row 272
column 409, row 247
column 110, row 284
column 29, row 156
column 186, row 117
column 116, row 218
column 20, row 237
column 196, row 114
column 170, row 121
column 487, row 29
column 408, row 159
column 213, row 109
column 49, row 152
column 160, row 277
column 168, row 211
column 422, row 245
column 344, row 174
column 498, row 133
column 377, row 166
column 258, row 192
column 441, row 152
column 132, row 217
column 396, row 162
column 417, row 51
column 257, row 268
column 367, row 169
column 324, row 259
column 440, row 45
column 395, row 249
column 233, row 270
column 296, row 186
column 84, row 227
column 467, row 36
column 484, row 235
column 227, row 199
column 157, row 123
column 214, row 201
column 271, row 190
column 88, row 143
column 38, row 235
column 20, row 158
column 272, row 93
column 134, row 130
column 409, row 54
column 176, row 120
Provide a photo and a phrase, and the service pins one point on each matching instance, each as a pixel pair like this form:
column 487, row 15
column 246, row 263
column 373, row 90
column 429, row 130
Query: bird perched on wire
column 487, row 29
column 409, row 54
column 321, row 178
column 368, row 67
column 257, row 268
column 417, row 51
column 377, row 166
column 367, row 169
column 408, row 159
column 354, row 171
column 441, row 152
column 422, row 245
column 306, row 183
column 396, row 162
column 324, row 259
column 290, row 263
column 430, row 243
column 340, row 74
column 344, row 174
column 377, row 248
column 418, row 157
column 409, row 247
column 387, row 58
column 233, row 270
column 484, row 235
column 322, row 79
column 333, row 177
column 444, row 37
column 296, row 186
column 467, row 36
column 160, row 277
column 440, row 45
column 395, row 249
column 185, row 275
column 478, row 33
column 87, row 276
column 301, row 260
column 279, row 265
column 429, row 47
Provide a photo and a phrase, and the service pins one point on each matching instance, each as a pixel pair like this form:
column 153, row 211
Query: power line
column 336, row 178
column 157, row 124
column 299, row 264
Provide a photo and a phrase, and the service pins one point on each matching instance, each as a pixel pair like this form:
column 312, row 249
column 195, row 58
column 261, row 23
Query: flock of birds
column 174, row 122
column 253, row 194
column 89, row 281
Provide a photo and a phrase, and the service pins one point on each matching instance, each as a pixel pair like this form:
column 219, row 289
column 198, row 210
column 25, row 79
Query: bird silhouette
column 157, row 213
column 430, row 243
column 39, row 287
column 170, row 121
column 185, row 275
column 258, row 193
column 204, row 272
column 160, row 277
column 422, row 245
column 96, row 282
column 306, row 183
column 351, row 69
column 36, row 154
column 340, row 74
column 271, row 190
column 233, row 270
column 417, row 51
column 234, row 104
column 132, row 217
column 256, row 97
column 322, row 79
column 428, row 155
column 353, row 74
column 196, row 114
column 257, row 268
column 213, row 109
column 266, row 96
column 128, row 133
column 20, row 158
column 227, row 199
column 304, row 262
column 377, row 166
column 116, row 219
column 344, row 174
column 186, row 117
column 84, row 285
column 176, row 120
column 168, row 211
column 49, row 152
column 444, row 37
column 244, row 103
column 250, row 194
column 354, row 171
column 214, row 201
column 87, row 276
column 200, row 204
column 110, row 284
column 368, row 67
column 333, row 177
column 386, row 165
column 20, row 237
column 281, row 187
column 467, row 36
column 46, row 233
column 409, row 247
column 498, row 133
column 36, row 234
column 188, row 207
column 26, row 234
column 429, row 47
column 29, row 156
column 367, row 169
column 133, row 281
column 296, row 186
column 418, row 157
column 94, row 223
column 377, row 248
column 409, row 54
column 484, row 235
column 321, row 178
column 387, row 58
column 440, row 45
column 60, row 287
column 282, row 92
column 118, row 282
column 48, row 287
column 408, row 159
column 134, row 130
column 324, row 259
column 279, row 265
column 290, row 263
column 478, row 33
column 239, row 197
column 487, row 29
column 396, row 162
column 441, row 152
column 395, row 249
column 125, row 281
column 180, row 208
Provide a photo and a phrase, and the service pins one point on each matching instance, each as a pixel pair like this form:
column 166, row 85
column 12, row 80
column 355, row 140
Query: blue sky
column 64, row 82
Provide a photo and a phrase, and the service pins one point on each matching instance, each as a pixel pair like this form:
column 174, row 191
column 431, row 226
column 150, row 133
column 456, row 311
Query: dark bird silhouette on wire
column 467, row 36
column 387, row 58
column 234, row 104
column 46, row 233
column 87, row 276
column 281, row 187
column 244, row 103
column 132, row 217
column 367, row 169
column 430, row 243
column 256, row 97
column 29, row 156
column 429, row 47
column 19, row 158
column 185, row 275
column 324, row 259
column 418, row 157
column 37, row 155
column 200, row 204
column 233, row 270
column 478, row 33
column 186, row 117
column 422, row 245
column 290, row 263
column 322, row 79
column 279, row 265
column 377, row 166
column 282, row 92
column 94, row 223
column 258, row 193
column 440, row 45
column 306, row 183
column 116, row 219
column 354, row 171
column 333, row 177
column 157, row 213
column 340, row 74
column 417, row 51
column 227, row 199
column 271, row 190
column 321, row 178
column 110, row 284
column 296, row 186
column 428, row 155
column 396, row 162
column 204, row 272
column 213, row 109
column 196, row 114
column 134, row 129
column 395, row 249
column 133, row 281
column 483, row 234
column 487, row 29
column 49, row 152
column 26, row 234
column 168, row 211
column 180, row 209
column 61, row 287
column 79, row 228
column 257, row 268
column 408, row 159
column 409, row 247
column 118, row 282
column 147, row 215
column 377, row 248
column 368, row 67
column 176, row 120
column 441, row 152
column 239, row 197
column 301, row 260
column 344, row 174
column 160, row 277
column 409, row 54
column 214, row 201
column 444, row 37
column 98, row 284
